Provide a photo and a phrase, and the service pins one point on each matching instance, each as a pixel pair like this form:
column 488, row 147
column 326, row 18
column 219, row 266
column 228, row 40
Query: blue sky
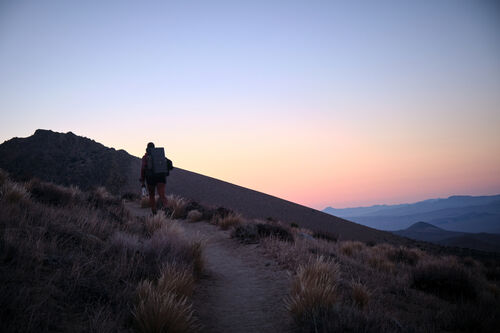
column 338, row 82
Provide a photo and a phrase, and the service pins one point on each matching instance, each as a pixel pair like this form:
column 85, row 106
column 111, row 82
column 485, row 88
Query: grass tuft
column 349, row 248
column 314, row 290
column 229, row 221
column 162, row 312
column 360, row 294
column 177, row 206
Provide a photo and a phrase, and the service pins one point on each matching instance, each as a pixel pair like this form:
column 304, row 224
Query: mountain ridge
column 69, row 159
column 422, row 231
column 462, row 213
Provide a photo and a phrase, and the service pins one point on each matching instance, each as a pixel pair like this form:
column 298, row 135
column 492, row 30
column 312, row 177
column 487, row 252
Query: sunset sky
column 324, row 103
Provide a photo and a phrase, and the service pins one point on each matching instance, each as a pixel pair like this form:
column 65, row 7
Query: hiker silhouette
column 154, row 171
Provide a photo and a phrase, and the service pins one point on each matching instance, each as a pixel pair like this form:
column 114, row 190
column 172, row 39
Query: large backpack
column 157, row 162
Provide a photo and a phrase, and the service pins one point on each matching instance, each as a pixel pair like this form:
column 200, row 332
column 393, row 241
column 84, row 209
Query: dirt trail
column 242, row 290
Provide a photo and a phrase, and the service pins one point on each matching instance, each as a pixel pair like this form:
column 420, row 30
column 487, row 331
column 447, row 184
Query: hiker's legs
column 152, row 200
column 161, row 193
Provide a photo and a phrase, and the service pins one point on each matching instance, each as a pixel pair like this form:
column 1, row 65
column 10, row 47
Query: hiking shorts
column 156, row 178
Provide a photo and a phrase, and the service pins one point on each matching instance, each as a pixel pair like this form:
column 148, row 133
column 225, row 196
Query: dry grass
column 162, row 312
column 13, row 192
column 380, row 262
column 194, row 215
column 176, row 279
column 447, row 279
column 74, row 265
column 360, row 294
column 350, row 248
column 404, row 255
column 388, row 297
column 314, row 290
column 328, row 236
column 229, row 221
column 177, row 206
column 164, row 306
column 158, row 221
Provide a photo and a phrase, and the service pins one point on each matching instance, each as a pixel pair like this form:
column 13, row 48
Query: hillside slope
column 70, row 159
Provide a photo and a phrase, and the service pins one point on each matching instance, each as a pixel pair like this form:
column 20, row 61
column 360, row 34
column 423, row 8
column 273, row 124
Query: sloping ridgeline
column 69, row 159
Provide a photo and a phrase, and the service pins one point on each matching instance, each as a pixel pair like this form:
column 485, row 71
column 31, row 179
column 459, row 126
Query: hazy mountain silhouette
column 456, row 213
column 69, row 159
column 427, row 232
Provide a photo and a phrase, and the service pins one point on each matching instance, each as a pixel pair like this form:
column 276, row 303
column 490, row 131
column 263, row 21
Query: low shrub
column 246, row 233
column 379, row 262
column 275, row 230
column 349, row 248
column 446, row 279
column 222, row 212
column 194, row 215
column 403, row 255
column 294, row 225
column 325, row 235
column 13, row 192
column 100, row 197
column 53, row 194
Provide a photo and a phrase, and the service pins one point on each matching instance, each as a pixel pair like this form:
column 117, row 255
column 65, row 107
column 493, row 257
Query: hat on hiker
column 150, row 147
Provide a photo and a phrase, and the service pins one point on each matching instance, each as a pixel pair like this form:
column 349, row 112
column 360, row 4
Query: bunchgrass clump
column 360, row 294
column 177, row 206
column 350, row 248
column 229, row 221
column 313, row 291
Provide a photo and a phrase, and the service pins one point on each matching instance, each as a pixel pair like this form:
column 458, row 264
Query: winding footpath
column 241, row 290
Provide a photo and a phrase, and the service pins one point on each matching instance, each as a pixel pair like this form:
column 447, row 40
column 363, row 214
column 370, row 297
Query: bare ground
column 241, row 290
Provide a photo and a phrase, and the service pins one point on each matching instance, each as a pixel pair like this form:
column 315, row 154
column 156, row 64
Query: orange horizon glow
column 329, row 103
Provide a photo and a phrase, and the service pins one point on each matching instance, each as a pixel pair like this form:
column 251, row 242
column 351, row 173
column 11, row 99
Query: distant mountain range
column 427, row 232
column 456, row 213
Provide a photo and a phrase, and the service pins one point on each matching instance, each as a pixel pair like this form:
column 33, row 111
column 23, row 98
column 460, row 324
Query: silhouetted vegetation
column 446, row 279
column 73, row 260
column 328, row 236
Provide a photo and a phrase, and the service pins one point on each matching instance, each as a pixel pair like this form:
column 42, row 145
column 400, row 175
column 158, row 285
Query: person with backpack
column 154, row 171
